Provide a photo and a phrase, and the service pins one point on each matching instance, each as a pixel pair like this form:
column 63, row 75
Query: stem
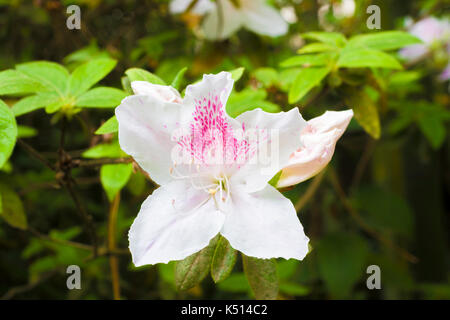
column 35, row 154
column 113, row 260
column 100, row 162
column 312, row 188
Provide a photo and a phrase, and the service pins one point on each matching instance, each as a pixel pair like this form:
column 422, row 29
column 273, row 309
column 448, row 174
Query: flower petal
column 318, row 142
column 264, row 19
column 200, row 7
column 264, row 224
column 173, row 223
column 221, row 25
column 278, row 135
column 163, row 93
column 146, row 125
column 211, row 85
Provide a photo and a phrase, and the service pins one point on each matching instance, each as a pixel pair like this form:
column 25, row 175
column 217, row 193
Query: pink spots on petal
column 211, row 139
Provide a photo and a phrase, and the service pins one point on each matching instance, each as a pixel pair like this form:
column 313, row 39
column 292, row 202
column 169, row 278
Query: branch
column 100, row 162
column 35, row 154
column 113, row 261
column 312, row 188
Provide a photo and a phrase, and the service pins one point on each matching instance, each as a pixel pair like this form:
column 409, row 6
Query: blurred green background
column 380, row 201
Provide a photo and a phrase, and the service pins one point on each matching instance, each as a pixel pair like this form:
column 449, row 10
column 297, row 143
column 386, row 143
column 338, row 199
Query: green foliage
column 262, row 277
column 114, row 177
column 8, row 133
column 12, row 208
column 192, row 270
column 110, row 126
column 136, row 74
column 342, row 261
column 306, row 79
column 223, row 260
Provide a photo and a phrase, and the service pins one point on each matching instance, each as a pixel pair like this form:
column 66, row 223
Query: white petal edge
column 264, row 19
column 173, row 223
column 264, row 225
column 163, row 93
column 217, row 27
column 146, row 125
column 219, row 84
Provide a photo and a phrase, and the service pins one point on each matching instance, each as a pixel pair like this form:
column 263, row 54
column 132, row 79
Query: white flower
column 198, row 199
column 318, row 139
column 225, row 17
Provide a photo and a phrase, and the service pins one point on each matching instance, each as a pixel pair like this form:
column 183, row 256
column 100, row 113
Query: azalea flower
column 199, row 198
column 318, row 139
column 224, row 17
column 430, row 30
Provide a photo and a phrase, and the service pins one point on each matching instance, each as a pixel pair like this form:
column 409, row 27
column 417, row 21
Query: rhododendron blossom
column 318, row 139
column 213, row 171
column 225, row 17
column 430, row 30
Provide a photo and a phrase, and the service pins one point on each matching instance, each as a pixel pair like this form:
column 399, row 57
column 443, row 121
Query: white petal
column 163, row 93
column 282, row 132
column 264, row 224
column 263, row 19
column 201, row 7
column 211, row 85
column 318, row 143
column 173, row 223
column 221, row 25
column 146, row 125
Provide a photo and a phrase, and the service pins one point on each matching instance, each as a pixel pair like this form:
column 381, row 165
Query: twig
column 312, row 188
column 113, row 260
column 355, row 215
column 87, row 219
column 363, row 162
column 29, row 286
column 35, row 153
column 100, row 162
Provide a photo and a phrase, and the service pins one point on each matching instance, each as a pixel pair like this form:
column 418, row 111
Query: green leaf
column 308, row 60
column 88, row 74
column 136, row 74
column 101, row 97
column 26, row 132
column 332, row 38
column 342, row 262
column 315, row 47
column 262, row 277
column 223, row 260
column 236, row 74
column 365, row 110
column 15, row 82
column 114, row 177
column 12, row 209
column 192, row 270
column 433, row 129
column 307, row 79
column 176, row 83
column 8, row 133
column 104, row 150
column 249, row 99
column 31, row 103
column 110, row 126
column 66, row 103
column 356, row 57
column 386, row 40
column 267, row 76
column 51, row 75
